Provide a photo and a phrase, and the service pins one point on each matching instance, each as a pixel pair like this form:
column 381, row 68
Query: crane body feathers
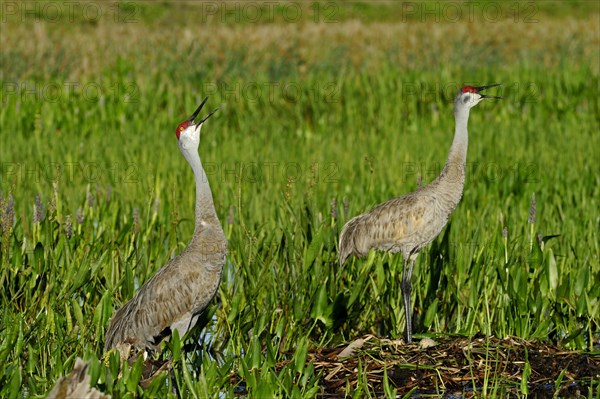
column 172, row 298
column 404, row 224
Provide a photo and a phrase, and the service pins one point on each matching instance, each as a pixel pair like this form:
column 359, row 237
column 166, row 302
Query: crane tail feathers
column 348, row 245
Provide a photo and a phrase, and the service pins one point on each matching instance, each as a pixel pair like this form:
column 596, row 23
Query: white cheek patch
column 185, row 144
column 186, row 140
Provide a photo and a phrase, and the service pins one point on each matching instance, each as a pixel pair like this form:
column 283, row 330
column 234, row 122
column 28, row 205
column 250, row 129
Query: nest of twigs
column 454, row 366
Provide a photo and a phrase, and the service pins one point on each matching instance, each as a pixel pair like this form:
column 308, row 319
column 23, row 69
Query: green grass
column 303, row 122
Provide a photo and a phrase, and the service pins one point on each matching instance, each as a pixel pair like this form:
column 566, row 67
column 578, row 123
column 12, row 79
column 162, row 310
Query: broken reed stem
column 532, row 220
column 505, row 240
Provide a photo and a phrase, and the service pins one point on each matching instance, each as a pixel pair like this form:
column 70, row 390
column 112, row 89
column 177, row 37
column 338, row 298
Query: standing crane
column 408, row 223
column 176, row 295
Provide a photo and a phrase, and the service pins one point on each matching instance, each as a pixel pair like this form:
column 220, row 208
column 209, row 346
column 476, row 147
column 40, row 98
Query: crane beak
column 481, row 88
column 195, row 114
column 207, row 116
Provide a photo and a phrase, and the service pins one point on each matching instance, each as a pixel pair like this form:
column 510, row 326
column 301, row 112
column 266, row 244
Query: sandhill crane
column 76, row 385
column 408, row 223
column 176, row 295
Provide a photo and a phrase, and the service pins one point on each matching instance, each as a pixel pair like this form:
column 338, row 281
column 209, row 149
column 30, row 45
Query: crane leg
column 406, row 290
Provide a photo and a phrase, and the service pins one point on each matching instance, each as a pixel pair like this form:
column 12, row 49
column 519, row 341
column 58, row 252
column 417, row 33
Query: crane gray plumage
column 76, row 385
column 408, row 223
column 176, row 295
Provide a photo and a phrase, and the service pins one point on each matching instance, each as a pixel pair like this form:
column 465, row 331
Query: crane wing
column 168, row 301
column 404, row 224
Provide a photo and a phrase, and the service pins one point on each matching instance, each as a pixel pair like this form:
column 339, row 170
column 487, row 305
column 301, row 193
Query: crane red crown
column 182, row 126
column 468, row 89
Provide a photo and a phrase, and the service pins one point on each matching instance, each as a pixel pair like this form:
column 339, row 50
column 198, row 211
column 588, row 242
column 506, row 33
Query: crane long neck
column 205, row 208
column 458, row 151
column 452, row 178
